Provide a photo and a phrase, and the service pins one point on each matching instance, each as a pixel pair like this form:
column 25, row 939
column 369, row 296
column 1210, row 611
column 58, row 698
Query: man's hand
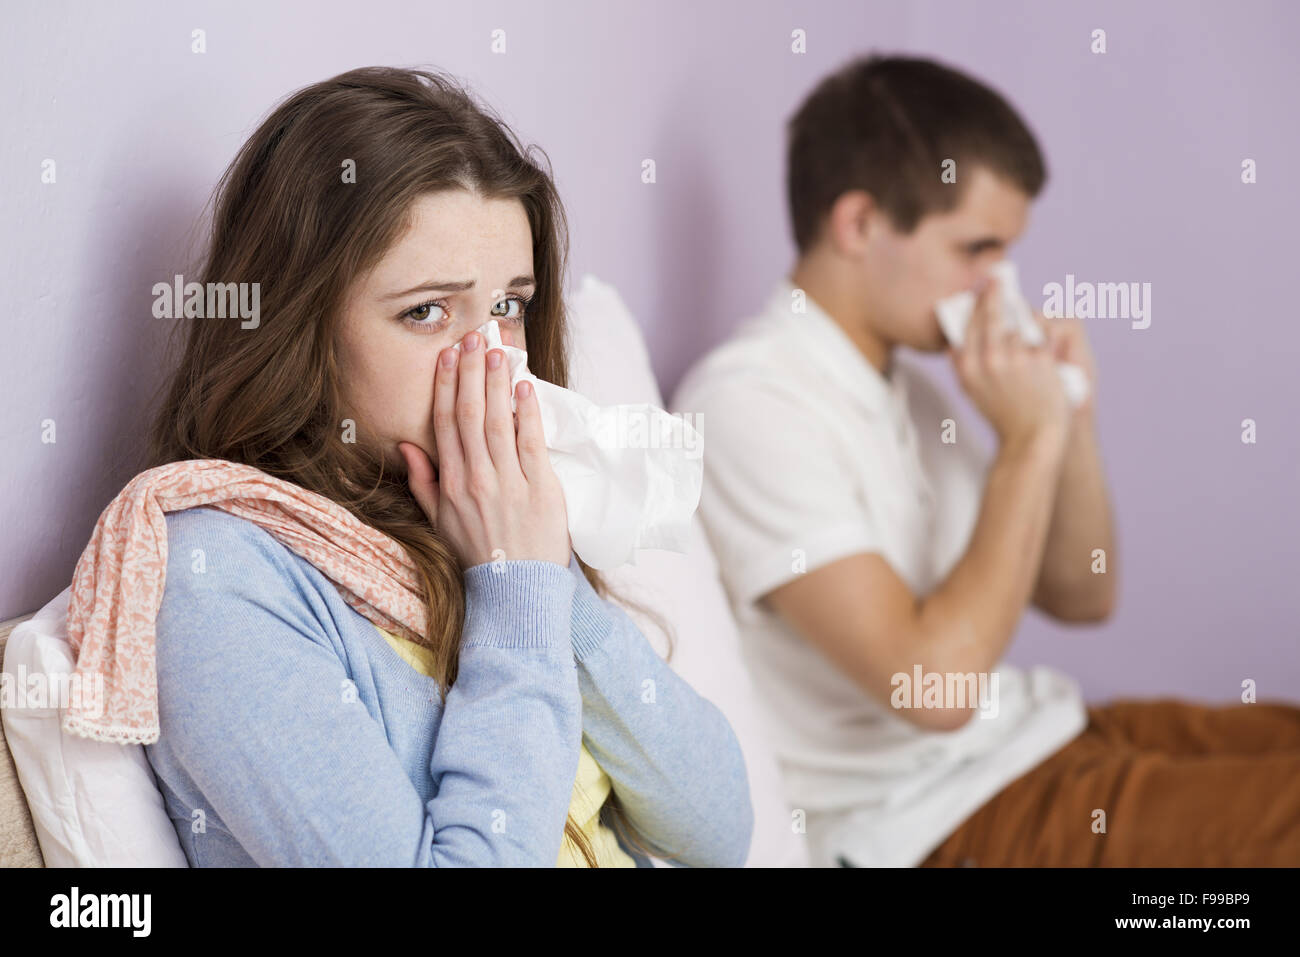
column 1081, row 523
column 1067, row 342
column 1013, row 385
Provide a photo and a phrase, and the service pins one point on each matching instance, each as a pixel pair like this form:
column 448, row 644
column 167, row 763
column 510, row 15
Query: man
column 878, row 560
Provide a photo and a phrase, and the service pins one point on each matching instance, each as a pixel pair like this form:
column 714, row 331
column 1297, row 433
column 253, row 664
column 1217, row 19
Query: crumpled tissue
column 631, row 473
column 954, row 313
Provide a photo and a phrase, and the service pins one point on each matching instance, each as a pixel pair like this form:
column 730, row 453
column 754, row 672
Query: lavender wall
column 1145, row 145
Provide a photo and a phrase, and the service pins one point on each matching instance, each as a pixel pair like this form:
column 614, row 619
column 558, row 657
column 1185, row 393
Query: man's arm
column 863, row 617
column 1068, row 587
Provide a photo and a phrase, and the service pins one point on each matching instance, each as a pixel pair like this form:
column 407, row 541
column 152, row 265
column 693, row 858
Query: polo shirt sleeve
column 778, row 497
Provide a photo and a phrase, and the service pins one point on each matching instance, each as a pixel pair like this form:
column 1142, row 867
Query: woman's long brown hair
column 286, row 217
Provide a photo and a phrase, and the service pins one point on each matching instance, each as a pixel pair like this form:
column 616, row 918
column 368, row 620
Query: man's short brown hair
column 886, row 125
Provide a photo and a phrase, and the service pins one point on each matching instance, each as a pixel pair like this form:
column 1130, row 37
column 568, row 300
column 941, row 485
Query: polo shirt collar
column 831, row 347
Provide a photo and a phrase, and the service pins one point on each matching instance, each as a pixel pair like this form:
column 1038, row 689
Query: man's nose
column 983, row 276
column 984, row 272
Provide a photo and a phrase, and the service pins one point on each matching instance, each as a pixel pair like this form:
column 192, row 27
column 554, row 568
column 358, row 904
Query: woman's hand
column 495, row 495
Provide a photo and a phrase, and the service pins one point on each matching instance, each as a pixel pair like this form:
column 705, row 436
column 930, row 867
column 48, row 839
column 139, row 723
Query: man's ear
column 851, row 215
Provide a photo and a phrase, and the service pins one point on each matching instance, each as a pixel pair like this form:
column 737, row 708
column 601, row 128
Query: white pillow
column 93, row 804
column 609, row 365
column 96, row 804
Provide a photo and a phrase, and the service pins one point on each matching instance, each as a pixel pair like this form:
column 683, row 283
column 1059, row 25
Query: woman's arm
column 670, row 754
column 259, row 713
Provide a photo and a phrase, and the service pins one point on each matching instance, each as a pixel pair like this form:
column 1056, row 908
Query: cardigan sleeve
column 255, row 713
column 671, row 755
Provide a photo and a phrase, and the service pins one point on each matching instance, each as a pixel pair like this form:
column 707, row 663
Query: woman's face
column 464, row 261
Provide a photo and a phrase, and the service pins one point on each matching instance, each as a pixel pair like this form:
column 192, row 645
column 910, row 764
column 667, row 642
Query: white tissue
column 631, row 474
column 955, row 312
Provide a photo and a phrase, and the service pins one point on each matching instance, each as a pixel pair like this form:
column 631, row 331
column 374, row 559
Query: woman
column 385, row 216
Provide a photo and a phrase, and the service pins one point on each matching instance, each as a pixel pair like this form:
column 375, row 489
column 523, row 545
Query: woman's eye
column 424, row 311
column 520, row 309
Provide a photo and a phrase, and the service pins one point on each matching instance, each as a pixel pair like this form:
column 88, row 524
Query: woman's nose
column 511, row 336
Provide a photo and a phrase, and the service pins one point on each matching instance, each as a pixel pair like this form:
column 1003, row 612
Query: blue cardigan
column 293, row 734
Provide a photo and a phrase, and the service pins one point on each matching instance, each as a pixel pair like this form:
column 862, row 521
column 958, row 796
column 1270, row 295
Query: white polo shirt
column 811, row 455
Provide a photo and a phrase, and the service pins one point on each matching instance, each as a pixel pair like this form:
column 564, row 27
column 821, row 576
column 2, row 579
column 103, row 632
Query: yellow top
column 590, row 788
